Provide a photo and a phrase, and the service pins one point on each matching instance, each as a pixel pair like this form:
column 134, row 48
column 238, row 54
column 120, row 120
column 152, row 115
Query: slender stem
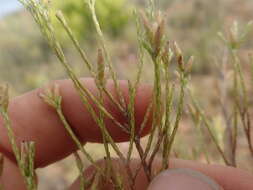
column 91, row 5
column 179, row 112
column 208, row 126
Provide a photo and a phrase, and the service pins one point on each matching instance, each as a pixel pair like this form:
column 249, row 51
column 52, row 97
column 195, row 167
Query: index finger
column 33, row 120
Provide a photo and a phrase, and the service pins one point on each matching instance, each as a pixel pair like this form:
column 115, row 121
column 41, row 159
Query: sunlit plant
column 171, row 97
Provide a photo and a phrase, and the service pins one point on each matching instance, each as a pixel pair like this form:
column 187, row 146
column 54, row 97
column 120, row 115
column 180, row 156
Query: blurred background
column 26, row 61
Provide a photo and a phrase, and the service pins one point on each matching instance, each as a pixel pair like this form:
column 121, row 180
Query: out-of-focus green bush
column 26, row 61
column 113, row 16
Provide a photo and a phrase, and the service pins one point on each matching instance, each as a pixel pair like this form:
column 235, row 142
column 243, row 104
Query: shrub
column 113, row 16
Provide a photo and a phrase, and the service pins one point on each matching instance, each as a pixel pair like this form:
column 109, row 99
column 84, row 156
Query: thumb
column 183, row 179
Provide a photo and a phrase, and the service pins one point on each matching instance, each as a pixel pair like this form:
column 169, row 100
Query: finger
column 183, row 179
column 228, row 178
column 11, row 177
column 33, row 120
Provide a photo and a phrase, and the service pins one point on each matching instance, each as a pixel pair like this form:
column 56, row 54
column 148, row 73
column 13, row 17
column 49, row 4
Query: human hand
column 33, row 120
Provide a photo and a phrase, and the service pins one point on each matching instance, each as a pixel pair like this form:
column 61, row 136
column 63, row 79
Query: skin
column 33, row 120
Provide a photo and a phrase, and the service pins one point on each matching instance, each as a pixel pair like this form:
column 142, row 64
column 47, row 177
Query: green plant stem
column 83, row 55
column 80, row 167
column 244, row 109
column 131, row 119
column 29, row 177
column 183, row 82
column 208, row 126
column 74, row 137
column 157, row 108
column 168, row 108
column 157, row 112
column 91, row 5
column 41, row 17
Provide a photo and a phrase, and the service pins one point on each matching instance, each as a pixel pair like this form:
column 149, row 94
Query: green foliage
column 113, row 17
column 174, row 94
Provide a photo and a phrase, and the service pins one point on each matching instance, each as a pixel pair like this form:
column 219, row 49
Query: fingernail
column 183, row 179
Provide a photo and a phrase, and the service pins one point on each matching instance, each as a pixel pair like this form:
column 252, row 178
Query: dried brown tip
column 179, row 56
column 158, row 37
column 188, row 66
column 147, row 26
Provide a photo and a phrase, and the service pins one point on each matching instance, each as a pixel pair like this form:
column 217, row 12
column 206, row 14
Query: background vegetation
column 26, row 61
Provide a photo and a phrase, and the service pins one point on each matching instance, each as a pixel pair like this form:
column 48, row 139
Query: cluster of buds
column 235, row 37
column 52, row 96
column 167, row 55
column 154, row 33
column 159, row 48
column 184, row 67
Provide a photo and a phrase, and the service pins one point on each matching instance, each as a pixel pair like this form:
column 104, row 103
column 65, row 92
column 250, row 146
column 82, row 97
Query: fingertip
column 184, row 179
